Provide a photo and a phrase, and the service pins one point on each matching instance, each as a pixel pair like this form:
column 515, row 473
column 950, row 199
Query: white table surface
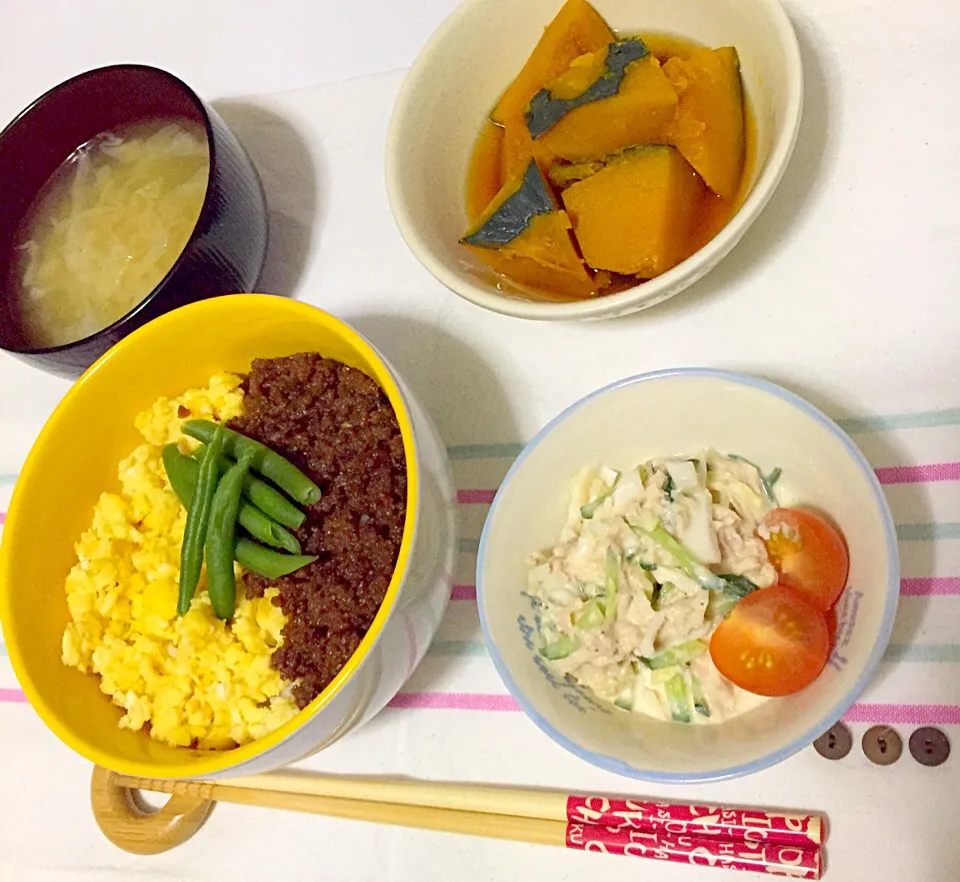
column 845, row 291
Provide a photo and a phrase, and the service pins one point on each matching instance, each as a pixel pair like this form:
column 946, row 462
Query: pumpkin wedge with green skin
column 577, row 29
column 636, row 215
column 486, row 174
column 525, row 236
column 519, row 148
column 708, row 128
column 564, row 174
column 590, row 77
column 607, row 101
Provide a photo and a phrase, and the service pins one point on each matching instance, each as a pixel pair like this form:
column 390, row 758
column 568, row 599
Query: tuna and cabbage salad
column 648, row 565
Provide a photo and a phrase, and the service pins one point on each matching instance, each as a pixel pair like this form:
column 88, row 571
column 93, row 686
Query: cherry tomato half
column 830, row 617
column 809, row 554
column 775, row 642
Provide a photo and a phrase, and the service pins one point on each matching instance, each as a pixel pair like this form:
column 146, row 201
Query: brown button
column 882, row 745
column 835, row 743
column 929, row 746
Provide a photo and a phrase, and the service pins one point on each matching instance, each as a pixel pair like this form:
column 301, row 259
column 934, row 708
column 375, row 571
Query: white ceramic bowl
column 695, row 409
column 474, row 56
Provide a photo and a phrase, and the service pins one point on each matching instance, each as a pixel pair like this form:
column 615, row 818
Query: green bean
column 198, row 516
column 261, row 527
column 251, row 556
column 221, row 538
column 267, row 462
column 268, row 499
column 267, row 562
column 182, row 472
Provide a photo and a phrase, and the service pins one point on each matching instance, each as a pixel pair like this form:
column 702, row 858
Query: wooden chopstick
column 294, row 793
column 736, row 824
column 520, row 802
column 494, row 826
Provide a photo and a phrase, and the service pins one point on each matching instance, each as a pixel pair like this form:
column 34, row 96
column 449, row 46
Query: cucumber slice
column 560, row 648
column 667, row 593
column 738, row 586
column 587, row 511
column 612, row 584
column 624, row 700
column 590, row 616
column 682, row 555
column 678, row 697
column 700, row 704
column 721, row 605
column 767, row 482
column 678, row 654
column 734, row 589
column 659, row 677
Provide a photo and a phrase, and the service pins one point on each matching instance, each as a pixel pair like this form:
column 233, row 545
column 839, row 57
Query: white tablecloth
column 843, row 291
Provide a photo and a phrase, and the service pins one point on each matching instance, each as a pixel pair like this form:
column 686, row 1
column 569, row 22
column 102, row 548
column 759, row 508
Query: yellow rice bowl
column 190, row 681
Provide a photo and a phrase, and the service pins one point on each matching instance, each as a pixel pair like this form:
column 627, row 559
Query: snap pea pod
column 221, row 538
column 182, row 472
column 198, row 517
column 267, row 562
column 268, row 499
column 267, row 462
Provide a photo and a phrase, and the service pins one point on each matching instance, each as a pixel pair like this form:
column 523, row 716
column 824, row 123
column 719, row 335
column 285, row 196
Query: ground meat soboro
column 337, row 425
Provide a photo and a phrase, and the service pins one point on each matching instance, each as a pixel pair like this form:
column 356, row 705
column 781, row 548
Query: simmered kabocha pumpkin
column 564, row 174
column 486, row 174
column 643, row 139
column 525, row 236
column 636, row 216
column 519, row 148
column 591, row 77
column 614, row 98
column 577, row 29
column 708, row 128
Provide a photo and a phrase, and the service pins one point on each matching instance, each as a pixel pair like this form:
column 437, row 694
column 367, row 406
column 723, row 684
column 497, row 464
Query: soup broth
column 106, row 228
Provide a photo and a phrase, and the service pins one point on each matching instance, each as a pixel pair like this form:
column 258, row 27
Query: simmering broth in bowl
column 107, row 227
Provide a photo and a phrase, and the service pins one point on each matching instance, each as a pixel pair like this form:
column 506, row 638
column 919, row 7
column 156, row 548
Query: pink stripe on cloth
column 942, row 586
column 905, row 714
column 920, row 474
column 475, row 497
column 3, row 518
column 455, row 701
column 463, row 592
column 890, row 714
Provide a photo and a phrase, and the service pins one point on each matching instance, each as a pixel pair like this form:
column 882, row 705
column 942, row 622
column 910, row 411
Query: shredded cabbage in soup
column 106, row 228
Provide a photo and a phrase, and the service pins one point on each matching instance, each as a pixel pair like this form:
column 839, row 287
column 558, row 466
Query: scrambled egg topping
column 193, row 681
